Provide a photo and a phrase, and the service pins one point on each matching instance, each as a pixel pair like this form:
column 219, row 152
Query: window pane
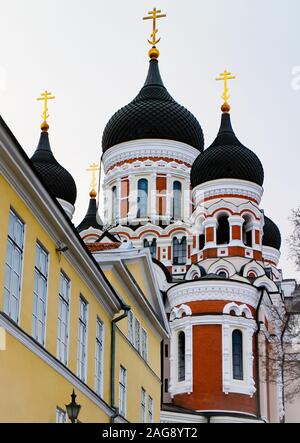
column 142, row 198
column 237, row 355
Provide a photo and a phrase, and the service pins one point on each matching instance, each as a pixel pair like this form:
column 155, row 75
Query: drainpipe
column 126, row 310
column 257, row 352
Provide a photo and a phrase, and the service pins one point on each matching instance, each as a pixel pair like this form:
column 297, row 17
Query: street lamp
column 73, row 408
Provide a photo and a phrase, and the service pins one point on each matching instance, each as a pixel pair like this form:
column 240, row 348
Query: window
column 82, row 339
column 122, row 391
column 166, row 351
column 247, row 231
column 143, row 405
column 99, row 356
column 179, row 251
column 61, row 416
column 166, row 385
column 181, row 356
column 152, row 245
column 114, row 204
column 144, row 345
column 63, row 319
column 222, row 273
column 201, row 242
column 223, row 232
column 237, row 355
column 150, row 409
column 142, row 198
column 40, row 294
column 177, row 197
column 130, row 327
column 137, row 341
column 13, row 269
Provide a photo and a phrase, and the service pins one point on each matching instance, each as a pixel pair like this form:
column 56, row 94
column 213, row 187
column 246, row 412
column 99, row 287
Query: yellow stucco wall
column 32, row 390
column 57, row 262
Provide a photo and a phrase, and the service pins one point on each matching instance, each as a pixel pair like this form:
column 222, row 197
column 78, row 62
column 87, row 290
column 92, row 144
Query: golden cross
column 154, row 15
column 94, row 168
column 45, row 96
column 225, row 76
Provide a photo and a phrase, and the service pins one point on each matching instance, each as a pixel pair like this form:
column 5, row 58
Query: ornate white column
column 236, row 221
column 168, row 198
column 132, row 199
column 210, row 223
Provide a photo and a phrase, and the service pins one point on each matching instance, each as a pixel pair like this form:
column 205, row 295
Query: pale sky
column 92, row 55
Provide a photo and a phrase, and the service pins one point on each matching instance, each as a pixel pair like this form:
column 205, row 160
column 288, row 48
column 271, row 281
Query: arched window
column 114, row 204
column 247, row 232
column 223, row 235
column 152, row 245
column 201, row 241
column 177, row 197
column 181, row 356
column 179, row 251
column 142, row 198
column 237, row 355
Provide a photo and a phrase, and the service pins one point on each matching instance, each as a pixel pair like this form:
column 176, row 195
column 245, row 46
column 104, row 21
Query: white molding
column 271, row 254
column 52, row 362
column 247, row 327
column 67, row 207
column 215, row 188
column 149, row 148
column 198, row 290
column 184, row 387
column 177, row 417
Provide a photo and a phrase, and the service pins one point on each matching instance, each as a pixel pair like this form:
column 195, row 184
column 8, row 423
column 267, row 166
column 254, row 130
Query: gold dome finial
column 93, row 168
column 45, row 96
column 225, row 76
column 154, row 15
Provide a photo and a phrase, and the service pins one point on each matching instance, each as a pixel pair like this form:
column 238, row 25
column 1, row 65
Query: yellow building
column 70, row 319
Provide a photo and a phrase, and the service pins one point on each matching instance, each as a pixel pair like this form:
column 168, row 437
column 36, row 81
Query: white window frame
column 82, row 342
column 8, row 290
column 61, row 416
column 63, row 302
column 137, row 335
column 144, row 344
column 38, row 299
column 123, row 392
column 99, row 362
column 150, row 409
column 143, row 405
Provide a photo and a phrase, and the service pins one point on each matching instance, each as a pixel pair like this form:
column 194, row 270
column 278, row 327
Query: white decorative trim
column 186, row 386
column 238, row 309
column 220, row 265
column 178, row 312
column 271, row 254
column 177, row 417
column 149, row 148
column 227, row 186
column 247, row 327
column 54, row 364
column 198, row 290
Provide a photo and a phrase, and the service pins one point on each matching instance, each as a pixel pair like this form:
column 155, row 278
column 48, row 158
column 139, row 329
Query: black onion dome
column 272, row 236
column 57, row 179
column 153, row 114
column 227, row 158
column 92, row 218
